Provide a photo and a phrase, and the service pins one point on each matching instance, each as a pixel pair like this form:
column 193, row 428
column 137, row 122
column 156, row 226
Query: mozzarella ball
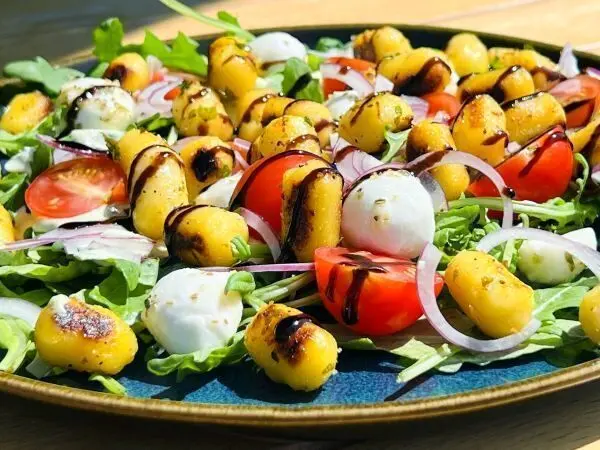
column 277, row 46
column 74, row 88
column 103, row 108
column 340, row 102
column 548, row 264
column 220, row 193
column 389, row 213
column 188, row 311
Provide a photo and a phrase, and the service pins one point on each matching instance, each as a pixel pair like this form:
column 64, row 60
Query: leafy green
column 569, row 295
column 16, row 337
column 42, row 72
column 293, row 72
column 108, row 39
column 314, row 61
column 111, row 385
column 224, row 21
column 242, row 282
column 396, row 146
column 240, row 249
column 200, row 362
column 298, row 82
column 312, row 91
column 154, row 122
column 12, row 189
column 98, row 71
column 181, row 54
column 327, row 43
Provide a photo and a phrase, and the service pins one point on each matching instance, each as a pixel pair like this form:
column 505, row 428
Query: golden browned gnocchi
column 131, row 70
column 287, row 133
column 231, row 66
column 365, row 124
column 198, row 111
column 467, row 54
column 496, row 300
column 206, row 160
column 502, row 84
column 7, row 228
column 132, row 143
column 589, row 314
column 317, row 114
column 428, row 136
column 417, row 72
column 374, row 45
column 480, row 129
column 25, row 111
column 250, row 108
column 587, row 141
column 201, row 235
column 88, row 338
column 291, row 347
column 311, row 210
column 527, row 58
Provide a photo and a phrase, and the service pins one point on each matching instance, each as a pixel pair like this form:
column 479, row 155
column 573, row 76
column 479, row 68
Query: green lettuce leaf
column 16, row 337
column 182, row 54
column 108, row 39
column 43, row 73
column 241, row 282
column 109, row 384
column 12, row 190
column 396, row 146
column 325, row 44
column 200, row 362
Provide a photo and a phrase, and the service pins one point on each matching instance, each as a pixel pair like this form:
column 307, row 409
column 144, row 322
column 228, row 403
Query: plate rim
column 259, row 416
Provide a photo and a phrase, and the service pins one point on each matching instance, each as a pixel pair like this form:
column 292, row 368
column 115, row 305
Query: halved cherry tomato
column 580, row 97
column 372, row 295
column 367, row 68
column 540, row 171
column 442, row 101
column 75, row 187
column 173, row 93
column 260, row 188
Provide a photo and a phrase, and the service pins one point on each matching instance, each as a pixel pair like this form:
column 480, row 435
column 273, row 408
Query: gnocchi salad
column 275, row 204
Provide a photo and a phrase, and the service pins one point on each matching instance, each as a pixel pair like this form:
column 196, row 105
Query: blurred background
column 59, row 28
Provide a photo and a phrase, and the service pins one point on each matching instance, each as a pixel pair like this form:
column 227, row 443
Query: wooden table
column 565, row 420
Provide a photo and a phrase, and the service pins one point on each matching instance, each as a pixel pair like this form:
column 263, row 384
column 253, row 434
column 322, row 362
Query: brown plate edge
column 315, row 416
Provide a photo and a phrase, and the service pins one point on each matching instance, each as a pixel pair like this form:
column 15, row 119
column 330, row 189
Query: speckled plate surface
column 364, row 392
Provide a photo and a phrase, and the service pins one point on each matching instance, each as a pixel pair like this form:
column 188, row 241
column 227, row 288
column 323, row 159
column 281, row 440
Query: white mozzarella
column 220, row 193
column 188, row 311
column 107, row 108
column 389, row 213
column 74, row 88
column 341, row 101
column 277, row 46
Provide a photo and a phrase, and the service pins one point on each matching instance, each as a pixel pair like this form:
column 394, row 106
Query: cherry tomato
column 75, row 187
column 367, row 68
column 580, row 97
column 538, row 172
column 260, row 188
column 372, row 295
column 442, row 101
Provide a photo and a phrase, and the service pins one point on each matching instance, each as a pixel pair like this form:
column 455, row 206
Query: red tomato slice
column 75, row 187
column 367, row 68
column 540, row 171
column 384, row 302
column 442, row 101
column 580, row 97
column 260, row 188
column 173, row 93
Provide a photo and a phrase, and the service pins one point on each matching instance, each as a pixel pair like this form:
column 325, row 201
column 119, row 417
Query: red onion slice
column 241, row 145
column 566, row 89
column 70, row 147
column 21, row 309
column 593, row 72
column 430, row 160
column 337, row 143
column 587, row 255
column 419, row 107
column 349, row 76
column 438, row 198
column 595, row 176
column 352, row 163
column 441, row 117
column 292, row 267
column 151, row 100
column 382, row 84
column 426, row 270
column 567, row 63
column 259, row 225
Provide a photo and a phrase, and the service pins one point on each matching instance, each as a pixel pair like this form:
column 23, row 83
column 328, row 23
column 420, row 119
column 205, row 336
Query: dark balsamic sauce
column 148, row 173
column 117, row 72
column 594, row 140
column 512, row 103
column 554, row 137
column 204, row 163
column 426, row 163
column 552, row 77
column 132, row 169
column 322, row 124
column 257, row 101
column 418, row 84
column 288, row 326
column 496, row 91
column 496, row 137
column 362, row 107
column 172, row 222
column 76, row 104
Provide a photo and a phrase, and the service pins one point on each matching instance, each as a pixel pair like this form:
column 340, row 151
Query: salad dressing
column 419, row 84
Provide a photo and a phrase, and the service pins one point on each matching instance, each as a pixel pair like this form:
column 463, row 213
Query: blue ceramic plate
column 364, row 391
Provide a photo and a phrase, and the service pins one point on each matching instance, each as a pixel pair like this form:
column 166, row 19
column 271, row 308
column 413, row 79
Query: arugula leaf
column 108, row 39
column 111, row 385
column 312, row 91
column 16, row 337
column 200, row 362
column 327, row 43
column 568, row 295
column 42, row 72
column 396, row 146
column 98, row 71
column 181, row 55
column 225, row 21
column 241, row 282
column 12, row 190
column 293, row 72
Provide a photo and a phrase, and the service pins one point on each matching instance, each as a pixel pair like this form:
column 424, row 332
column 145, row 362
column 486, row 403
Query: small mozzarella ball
column 188, row 311
column 220, row 193
column 105, row 108
column 74, row 88
column 277, row 46
column 340, row 102
column 548, row 264
column 389, row 213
